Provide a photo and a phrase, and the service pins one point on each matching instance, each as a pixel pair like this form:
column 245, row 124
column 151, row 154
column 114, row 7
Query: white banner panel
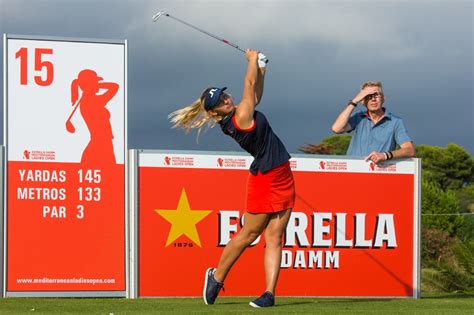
column 40, row 78
column 317, row 163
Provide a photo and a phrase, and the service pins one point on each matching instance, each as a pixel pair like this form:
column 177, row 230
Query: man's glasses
column 374, row 95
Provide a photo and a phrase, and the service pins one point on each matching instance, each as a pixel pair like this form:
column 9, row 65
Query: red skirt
column 271, row 192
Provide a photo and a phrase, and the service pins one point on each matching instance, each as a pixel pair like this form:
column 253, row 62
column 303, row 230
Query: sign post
column 65, row 137
column 2, row 261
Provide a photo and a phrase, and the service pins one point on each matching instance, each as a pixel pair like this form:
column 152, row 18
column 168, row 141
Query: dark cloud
column 320, row 52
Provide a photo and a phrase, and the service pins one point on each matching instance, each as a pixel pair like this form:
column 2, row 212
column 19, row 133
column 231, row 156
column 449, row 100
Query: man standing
column 375, row 131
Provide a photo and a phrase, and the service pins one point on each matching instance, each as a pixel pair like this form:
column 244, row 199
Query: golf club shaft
column 225, row 41
column 207, row 33
column 76, row 105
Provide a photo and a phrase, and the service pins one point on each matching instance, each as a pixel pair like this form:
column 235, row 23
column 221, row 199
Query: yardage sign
column 65, row 134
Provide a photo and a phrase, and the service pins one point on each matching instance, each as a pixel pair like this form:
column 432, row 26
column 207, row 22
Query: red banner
column 65, row 227
column 351, row 234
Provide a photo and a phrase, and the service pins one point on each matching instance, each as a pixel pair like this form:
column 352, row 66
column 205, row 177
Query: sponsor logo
column 211, row 91
column 232, row 162
column 333, row 165
column 39, row 155
column 179, row 160
column 384, row 167
column 293, row 164
column 183, row 220
column 330, row 231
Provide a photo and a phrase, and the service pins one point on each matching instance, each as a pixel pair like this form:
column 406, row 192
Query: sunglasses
column 223, row 97
column 374, row 95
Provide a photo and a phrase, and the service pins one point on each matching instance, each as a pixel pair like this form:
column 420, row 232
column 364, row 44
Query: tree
column 451, row 167
column 332, row 145
column 443, row 204
column 465, row 197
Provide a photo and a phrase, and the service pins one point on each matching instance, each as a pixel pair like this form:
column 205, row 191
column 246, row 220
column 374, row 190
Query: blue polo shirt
column 382, row 136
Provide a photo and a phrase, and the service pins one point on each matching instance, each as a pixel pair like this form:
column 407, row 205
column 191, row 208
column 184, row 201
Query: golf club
column 69, row 126
column 225, row 41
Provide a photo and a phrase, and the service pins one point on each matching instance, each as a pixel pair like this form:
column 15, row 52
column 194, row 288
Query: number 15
column 22, row 54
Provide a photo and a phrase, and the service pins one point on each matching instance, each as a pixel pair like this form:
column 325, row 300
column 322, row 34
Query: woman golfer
column 270, row 185
column 100, row 149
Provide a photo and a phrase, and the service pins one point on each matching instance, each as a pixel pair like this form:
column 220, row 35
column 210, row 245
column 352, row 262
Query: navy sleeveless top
column 259, row 140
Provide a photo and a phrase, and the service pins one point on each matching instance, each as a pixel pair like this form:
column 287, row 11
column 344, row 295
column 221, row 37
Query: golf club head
column 70, row 127
column 157, row 15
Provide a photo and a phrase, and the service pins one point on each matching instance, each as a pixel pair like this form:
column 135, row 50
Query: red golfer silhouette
column 100, row 149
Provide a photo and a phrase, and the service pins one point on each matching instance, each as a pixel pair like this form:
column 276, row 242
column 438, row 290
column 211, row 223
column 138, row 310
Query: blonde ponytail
column 193, row 116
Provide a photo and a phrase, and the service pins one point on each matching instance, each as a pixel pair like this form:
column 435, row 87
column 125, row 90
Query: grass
column 428, row 304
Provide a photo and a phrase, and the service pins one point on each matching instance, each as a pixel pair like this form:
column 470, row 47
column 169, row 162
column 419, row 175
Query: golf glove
column 262, row 60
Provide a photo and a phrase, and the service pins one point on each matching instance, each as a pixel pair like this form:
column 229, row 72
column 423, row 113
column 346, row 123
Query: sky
column 320, row 53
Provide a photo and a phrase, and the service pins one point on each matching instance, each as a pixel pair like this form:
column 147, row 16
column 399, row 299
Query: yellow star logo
column 183, row 220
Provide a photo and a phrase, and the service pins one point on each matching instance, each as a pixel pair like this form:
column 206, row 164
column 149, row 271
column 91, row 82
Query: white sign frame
column 123, row 158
